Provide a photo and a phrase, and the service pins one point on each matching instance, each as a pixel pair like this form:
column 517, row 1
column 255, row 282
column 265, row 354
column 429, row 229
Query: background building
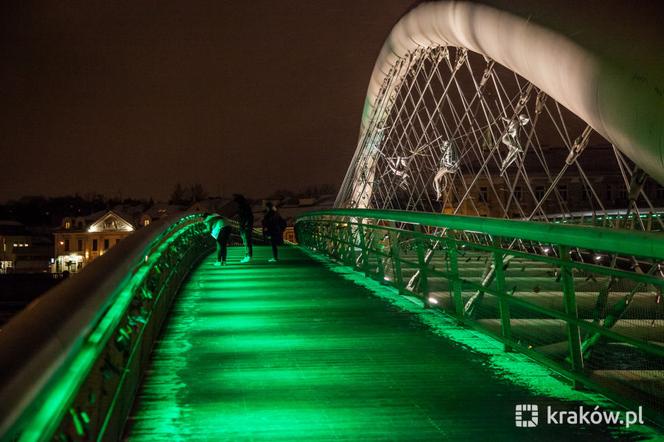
column 13, row 237
column 23, row 251
column 80, row 240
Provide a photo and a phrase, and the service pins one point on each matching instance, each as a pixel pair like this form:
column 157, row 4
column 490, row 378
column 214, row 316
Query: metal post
column 505, row 324
column 379, row 257
column 569, row 299
column 349, row 257
column 396, row 260
column 453, row 257
column 421, row 258
column 363, row 249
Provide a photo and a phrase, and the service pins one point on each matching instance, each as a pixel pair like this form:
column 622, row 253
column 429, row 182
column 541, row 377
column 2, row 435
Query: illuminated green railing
column 647, row 220
column 72, row 361
column 584, row 300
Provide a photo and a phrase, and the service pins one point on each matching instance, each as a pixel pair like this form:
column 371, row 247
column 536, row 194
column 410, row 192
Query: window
column 562, row 190
column 609, row 192
column 66, row 245
column 622, row 193
column 517, row 193
column 539, row 192
column 80, row 245
column 483, row 195
column 584, row 193
column 94, row 245
column 67, row 224
column 106, row 244
column 146, row 222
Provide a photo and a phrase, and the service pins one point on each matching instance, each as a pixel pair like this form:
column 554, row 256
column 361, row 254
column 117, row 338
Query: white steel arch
column 618, row 100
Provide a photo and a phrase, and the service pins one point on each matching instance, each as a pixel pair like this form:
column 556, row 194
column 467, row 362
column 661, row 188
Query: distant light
column 546, row 249
column 433, row 301
column 62, row 243
column 597, row 257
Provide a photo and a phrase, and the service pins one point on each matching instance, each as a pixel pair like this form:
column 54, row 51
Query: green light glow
column 630, row 242
column 65, row 387
column 317, row 357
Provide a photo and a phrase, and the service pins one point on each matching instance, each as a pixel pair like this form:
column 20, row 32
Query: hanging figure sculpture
column 449, row 164
column 511, row 140
column 399, row 166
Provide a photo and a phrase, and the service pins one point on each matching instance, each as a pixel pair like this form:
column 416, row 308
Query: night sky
column 128, row 98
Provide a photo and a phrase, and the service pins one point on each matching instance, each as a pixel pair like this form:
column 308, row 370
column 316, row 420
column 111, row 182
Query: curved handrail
column 435, row 258
column 612, row 86
column 62, row 333
column 643, row 244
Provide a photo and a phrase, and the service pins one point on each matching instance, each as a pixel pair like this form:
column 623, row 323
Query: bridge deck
column 294, row 351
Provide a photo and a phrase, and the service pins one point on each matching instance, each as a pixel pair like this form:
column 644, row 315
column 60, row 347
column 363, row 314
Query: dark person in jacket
column 273, row 227
column 246, row 223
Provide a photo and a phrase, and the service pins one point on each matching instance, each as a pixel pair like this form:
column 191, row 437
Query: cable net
column 452, row 131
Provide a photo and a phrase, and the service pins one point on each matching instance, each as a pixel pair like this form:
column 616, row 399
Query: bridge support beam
column 569, row 299
column 504, row 307
column 453, row 257
column 396, row 258
column 422, row 261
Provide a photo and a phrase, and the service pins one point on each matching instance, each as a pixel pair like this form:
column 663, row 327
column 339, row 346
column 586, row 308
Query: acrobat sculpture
column 511, row 140
column 449, row 164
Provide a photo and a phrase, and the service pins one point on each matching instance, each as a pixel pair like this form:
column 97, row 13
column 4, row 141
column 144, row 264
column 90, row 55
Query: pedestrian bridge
column 419, row 308
column 337, row 341
column 302, row 350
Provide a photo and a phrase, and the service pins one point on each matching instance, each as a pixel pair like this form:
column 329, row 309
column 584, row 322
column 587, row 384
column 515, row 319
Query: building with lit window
column 22, row 250
column 80, row 240
column 13, row 237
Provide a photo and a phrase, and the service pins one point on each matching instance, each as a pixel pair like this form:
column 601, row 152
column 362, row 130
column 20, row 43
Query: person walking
column 273, row 227
column 246, row 224
column 219, row 230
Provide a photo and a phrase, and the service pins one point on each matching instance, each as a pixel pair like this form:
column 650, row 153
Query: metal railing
column 585, row 301
column 72, row 361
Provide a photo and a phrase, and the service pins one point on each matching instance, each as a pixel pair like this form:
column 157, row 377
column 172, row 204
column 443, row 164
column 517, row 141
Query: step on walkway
column 293, row 351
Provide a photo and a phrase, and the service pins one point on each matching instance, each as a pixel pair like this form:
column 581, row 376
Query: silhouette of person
column 273, row 227
column 246, row 224
column 220, row 231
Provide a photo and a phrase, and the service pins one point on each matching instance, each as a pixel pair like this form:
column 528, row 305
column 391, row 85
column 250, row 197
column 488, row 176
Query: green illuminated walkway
column 294, row 351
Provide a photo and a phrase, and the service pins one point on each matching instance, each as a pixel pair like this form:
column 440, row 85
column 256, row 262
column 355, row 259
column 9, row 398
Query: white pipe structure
column 615, row 89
